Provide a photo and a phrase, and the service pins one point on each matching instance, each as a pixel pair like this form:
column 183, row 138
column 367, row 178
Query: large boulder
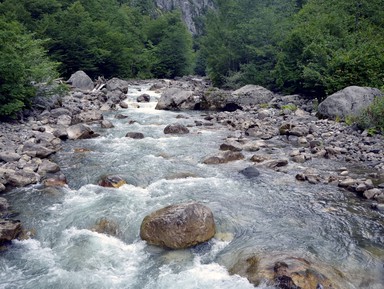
column 348, row 102
column 299, row 271
column 81, row 80
column 252, row 95
column 87, row 116
column 80, row 131
column 117, row 84
column 178, row 99
column 178, row 226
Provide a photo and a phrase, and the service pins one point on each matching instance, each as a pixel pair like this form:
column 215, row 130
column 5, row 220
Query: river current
column 272, row 214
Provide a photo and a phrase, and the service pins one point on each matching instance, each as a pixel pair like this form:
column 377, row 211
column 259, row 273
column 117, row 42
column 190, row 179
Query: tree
column 23, row 63
column 172, row 46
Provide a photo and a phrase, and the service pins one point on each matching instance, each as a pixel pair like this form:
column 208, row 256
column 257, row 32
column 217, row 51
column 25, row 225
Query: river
column 272, row 214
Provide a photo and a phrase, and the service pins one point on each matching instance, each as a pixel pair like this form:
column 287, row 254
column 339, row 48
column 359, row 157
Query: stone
column 259, row 158
column 3, row 204
column 36, row 150
column 370, row 194
column 251, row 95
column 349, row 101
column 112, row 181
column 230, row 156
column 105, row 226
column 57, row 112
column 250, row 172
column 144, row 98
column 9, row 156
column 347, row 183
column 87, row 116
column 135, row 135
column 229, row 147
column 272, row 164
column 117, row 84
column 56, row 181
column 296, row 272
column 123, row 104
column 64, row 120
column 121, row 116
column 213, row 160
column 21, row 178
column 9, row 230
column 80, row 131
column 106, row 124
column 177, row 99
column 81, row 80
column 48, row 166
column 176, row 129
column 178, row 226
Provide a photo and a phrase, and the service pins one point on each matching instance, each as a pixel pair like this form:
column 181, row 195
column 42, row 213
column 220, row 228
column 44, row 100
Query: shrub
column 372, row 118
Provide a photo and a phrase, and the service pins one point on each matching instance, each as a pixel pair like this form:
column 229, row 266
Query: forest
column 312, row 47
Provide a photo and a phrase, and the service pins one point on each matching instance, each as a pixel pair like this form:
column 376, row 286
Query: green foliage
column 172, row 46
column 23, row 63
column 290, row 106
column 372, row 118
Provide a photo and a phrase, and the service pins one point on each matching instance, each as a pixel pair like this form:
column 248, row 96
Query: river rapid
column 270, row 215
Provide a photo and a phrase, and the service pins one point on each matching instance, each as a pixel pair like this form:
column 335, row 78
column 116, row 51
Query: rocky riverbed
column 265, row 131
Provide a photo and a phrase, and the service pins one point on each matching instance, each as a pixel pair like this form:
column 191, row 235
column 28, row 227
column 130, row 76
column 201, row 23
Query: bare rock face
column 177, row 99
column 81, row 80
column 178, row 226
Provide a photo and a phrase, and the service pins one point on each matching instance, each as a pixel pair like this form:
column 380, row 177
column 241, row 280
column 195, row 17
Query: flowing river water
column 270, row 215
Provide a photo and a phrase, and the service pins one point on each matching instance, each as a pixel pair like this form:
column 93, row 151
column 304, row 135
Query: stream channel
column 269, row 215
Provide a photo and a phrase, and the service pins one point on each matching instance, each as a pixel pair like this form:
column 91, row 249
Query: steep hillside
column 190, row 9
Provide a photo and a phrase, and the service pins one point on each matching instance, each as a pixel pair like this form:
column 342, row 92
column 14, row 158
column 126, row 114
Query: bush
column 23, row 64
column 372, row 118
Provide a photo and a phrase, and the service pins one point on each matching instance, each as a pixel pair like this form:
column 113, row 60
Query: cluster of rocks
column 262, row 120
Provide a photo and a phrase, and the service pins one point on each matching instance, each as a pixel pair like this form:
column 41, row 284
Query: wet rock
column 178, row 226
column 176, row 129
column 81, row 80
column 123, row 104
column 298, row 272
column 230, row 156
column 112, row 181
column 213, row 160
column 106, row 124
column 250, row 172
column 229, row 147
column 135, row 135
column 259, row 158
column 80, row 131
column 105, row 226
column 121, row 116
column 9, row 230
column 56, row 181
column 144, row 98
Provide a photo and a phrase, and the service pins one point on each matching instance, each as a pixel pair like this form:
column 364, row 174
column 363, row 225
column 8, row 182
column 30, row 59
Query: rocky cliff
column 190, row 9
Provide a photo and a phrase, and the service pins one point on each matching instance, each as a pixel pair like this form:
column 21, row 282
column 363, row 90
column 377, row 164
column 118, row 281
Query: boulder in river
column 347, row 102
column 80, row 131
column 280, row 270
column 177, row 99
column 176, row 129
column 144, row 98
column 9, row 230
column 135, row 135
column 112, row 181
column 250, row 172
column 178, row 226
